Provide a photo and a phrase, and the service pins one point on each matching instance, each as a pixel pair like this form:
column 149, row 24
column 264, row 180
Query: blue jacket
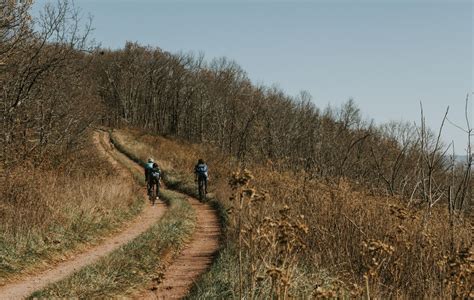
column 148, row 167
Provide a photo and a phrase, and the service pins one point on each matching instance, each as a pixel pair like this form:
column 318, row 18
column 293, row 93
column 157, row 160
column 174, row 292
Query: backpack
column 201, row 170
column 155, row 173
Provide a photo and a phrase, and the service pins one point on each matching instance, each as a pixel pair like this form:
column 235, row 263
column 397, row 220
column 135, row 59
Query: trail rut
column 194, row 259
column 178, row 276
column 25, row 285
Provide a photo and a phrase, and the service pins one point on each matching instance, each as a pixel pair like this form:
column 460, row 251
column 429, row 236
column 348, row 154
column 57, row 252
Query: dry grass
column 138, row 263
column 356, row 244
column 47, row 212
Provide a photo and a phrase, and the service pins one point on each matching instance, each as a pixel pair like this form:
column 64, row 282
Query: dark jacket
column 201, row 170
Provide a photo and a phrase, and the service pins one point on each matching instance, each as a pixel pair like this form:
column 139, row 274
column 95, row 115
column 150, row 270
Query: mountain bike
column 153, row 191
column 201, row 190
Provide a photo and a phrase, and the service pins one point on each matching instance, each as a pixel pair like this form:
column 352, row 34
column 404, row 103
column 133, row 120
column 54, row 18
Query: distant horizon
column 386, row 55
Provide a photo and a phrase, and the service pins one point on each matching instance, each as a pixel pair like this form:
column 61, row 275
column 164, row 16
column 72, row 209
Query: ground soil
column 193, row 261
column 23, row 286
column 197, row 256
column 178, row 275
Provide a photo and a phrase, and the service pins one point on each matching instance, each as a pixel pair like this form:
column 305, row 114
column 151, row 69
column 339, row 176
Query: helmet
column 150, row 160
column 200, row 161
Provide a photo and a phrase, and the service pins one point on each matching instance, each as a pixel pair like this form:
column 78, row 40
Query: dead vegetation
column 186, row 97
column 319, row 238
column 55, row 191
column 140, row 262
column 388, row 211
column 47, row 212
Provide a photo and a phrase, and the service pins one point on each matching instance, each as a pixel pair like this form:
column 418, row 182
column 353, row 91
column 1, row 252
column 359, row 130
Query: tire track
column 194, row 260
column 25, row 285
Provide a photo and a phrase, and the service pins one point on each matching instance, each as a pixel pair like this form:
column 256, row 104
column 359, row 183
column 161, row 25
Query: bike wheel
column 149, row 190
column 201, row 190
column 154, row 194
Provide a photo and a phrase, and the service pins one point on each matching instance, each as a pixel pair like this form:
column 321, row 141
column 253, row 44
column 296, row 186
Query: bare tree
column 461, row 193
column 42, row 108
column 432, row 160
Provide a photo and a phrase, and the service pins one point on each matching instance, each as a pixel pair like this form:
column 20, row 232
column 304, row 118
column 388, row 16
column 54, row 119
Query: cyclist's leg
column 205, row 185
column 157, row 189
column 200, row 187
column 149, row 188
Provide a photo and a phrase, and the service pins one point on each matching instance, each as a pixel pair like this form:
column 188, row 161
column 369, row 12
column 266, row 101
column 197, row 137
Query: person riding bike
column 149, row 178
column 148, row 167
column 201, row 172
column 153, row 183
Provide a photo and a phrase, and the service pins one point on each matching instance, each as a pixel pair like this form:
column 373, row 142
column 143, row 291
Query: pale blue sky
column 387, row 55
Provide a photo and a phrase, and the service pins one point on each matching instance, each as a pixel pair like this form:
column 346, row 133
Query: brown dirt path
column 27, row 284
column 193, row 261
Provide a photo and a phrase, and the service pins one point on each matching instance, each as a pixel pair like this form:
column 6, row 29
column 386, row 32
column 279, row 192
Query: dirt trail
column 178, row 277
column 27, row 284
column 193, row 261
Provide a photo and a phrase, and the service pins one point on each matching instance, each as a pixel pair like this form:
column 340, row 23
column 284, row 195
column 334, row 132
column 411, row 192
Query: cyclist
column 153, row 183
column 201, row 172
column 148, row 167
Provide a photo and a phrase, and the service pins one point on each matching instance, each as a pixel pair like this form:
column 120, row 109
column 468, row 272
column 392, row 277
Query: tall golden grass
column 356, row 243
column 45, row 211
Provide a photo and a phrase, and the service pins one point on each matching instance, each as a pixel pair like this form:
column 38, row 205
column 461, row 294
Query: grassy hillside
column 46, row 212
column 340, row 206
column 319, row 238
column 135, row 265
